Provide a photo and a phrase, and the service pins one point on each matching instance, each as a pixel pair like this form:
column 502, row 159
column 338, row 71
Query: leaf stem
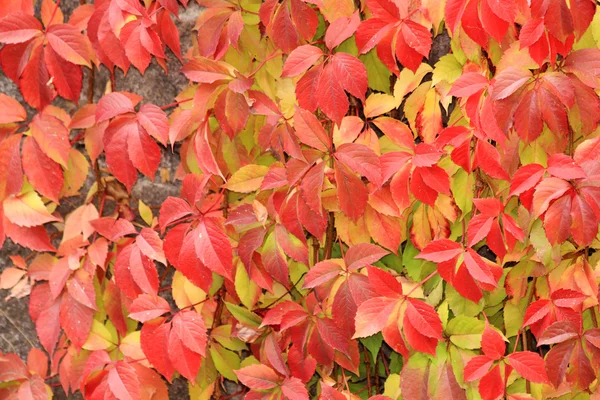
column 427, row 278
column 271, row 56
column 176, row 103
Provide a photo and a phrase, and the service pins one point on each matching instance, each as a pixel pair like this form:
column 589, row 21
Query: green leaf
column 377, row 73
column 461, row 306
column 463, row 198
column 373, row 344
column 202, row 389
column 222, row 334
column 243, row 315
column 513, row 319
column 465, row 332
column 225, row 361
column 414, row 266
column 246, row 289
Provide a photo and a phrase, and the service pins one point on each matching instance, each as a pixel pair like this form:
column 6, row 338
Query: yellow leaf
column 75, row 174
column 379, row 103
column 447, row 69
column 99, row 338
column 145, row 212
column 130, row 346
column 247, row 179
column 414, row 104
column 186, row 293
column 408, row 81
column 334, row 9
column 430, row 120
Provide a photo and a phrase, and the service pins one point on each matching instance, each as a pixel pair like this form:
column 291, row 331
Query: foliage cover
column 355, row 218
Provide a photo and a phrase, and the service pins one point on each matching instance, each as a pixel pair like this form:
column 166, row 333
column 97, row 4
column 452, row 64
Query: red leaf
column 468, row 84
column 508, row 81
column 33, row 82
column 186, row 361
column 529, row 365
column 384, row 283
column 351, row 192
column 363, row 254
column 153, row 339
column 294, row 389
column 492, row 343
column 258, row 376
column 123, row 381
column 332, row 99
column 19, row 27
column 45, row 175
column 341, row 29
column 478, row 269
column 203, row 70
column 531, row 32
column 76, row 320
column 361, row 159
column 321, row 273
column 310, row 131
column 491, row 386
column 372, row 316
column 155, row 122
column 548, row 190
column 558, row 332
column 151, row 245
column 113, row 229
column 301, row 59
column 69, row 43
column 585, row 223
column 424, row 319
column 477, row 367
column 189, row 327
column 171, row 210
column 528, row 117
column 11, row 110
column 67, row 78
column 564, row 167
column 284, row 32
column 527, row 177
column 557, row 361
column 146, row 307
column 81, row 288
column 351, row 73
column 536, row 311
column 213, row 247
column 479, row 228
column 488, row 159
column 440, row 250
column 52, row 137
column 307, row 89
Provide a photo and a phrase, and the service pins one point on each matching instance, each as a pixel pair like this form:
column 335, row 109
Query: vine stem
column 329, row 236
